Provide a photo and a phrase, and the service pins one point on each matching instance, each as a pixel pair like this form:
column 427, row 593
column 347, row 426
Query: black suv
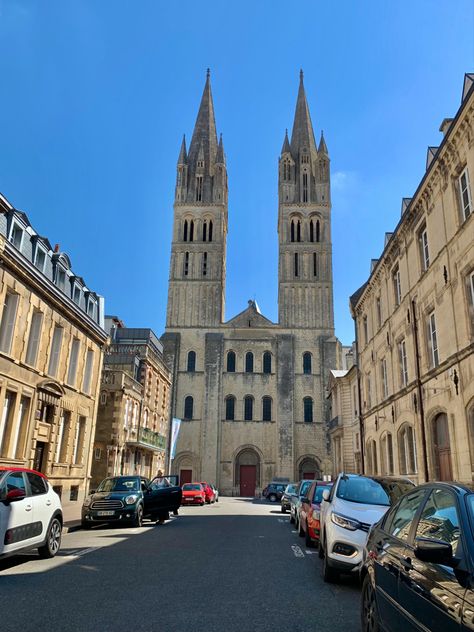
column 274, row 491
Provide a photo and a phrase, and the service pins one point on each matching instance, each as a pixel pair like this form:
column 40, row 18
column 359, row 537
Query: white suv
column 348, row 511
column 30, row 513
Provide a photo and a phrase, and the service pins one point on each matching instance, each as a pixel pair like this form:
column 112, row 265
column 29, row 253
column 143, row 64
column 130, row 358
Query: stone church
column 251, row 393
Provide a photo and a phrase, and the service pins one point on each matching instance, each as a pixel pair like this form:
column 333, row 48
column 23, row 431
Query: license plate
column 106, row 513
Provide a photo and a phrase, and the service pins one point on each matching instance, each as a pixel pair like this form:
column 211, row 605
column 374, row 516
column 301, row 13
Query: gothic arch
column 308, row 464
column 186, row 460
column 247, row 455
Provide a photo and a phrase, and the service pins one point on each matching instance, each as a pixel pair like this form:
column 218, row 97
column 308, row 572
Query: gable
column 250, row 317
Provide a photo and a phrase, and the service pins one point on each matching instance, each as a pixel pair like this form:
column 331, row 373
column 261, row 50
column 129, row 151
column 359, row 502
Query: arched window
column 186, row 263
column 267, row 362
column 204, row 264
column 292, row 231
column 442, row 448
column 295, row 265
column 185, row 230
column 317, row 230
column 386, row 453
column 298, row 231
column 266, row 408
column 249, row 362
column 311, row 230
column 188, row 407
column 407, row 450
column 230, row 408
column 248, row 408
column 210, row 230
column 307, row 363
column 204, row 231
column 231, row 362
column 308, row 409
column 198, row 188
column 315, row 264
column 191, row 230
column 371, row 451
column 191, row 361
column 305, row 187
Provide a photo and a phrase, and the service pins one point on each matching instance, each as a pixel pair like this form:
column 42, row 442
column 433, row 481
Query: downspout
column 359, row 406
column 420, row 393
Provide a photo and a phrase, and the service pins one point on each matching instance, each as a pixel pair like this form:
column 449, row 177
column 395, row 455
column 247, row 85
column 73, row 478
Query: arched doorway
column 309, row 469
column 442, row 448
column 247, row 472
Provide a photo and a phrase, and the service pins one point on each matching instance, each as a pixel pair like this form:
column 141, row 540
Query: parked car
column 193, row 494
column 309, row 513
column 274, row 491
column 31, row 516
column 295, row 499
column 210, row 496
column 419, row 569
column 348, row 511
column 286, row 497
column 216, row 493
column 130, row 499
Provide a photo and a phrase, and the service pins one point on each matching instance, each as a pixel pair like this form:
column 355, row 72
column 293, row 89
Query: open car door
column 163, row 494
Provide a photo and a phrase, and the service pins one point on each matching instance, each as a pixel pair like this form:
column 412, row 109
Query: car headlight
column 87, row 501
column 344, row 522
column 316, row 514
column 130, row 500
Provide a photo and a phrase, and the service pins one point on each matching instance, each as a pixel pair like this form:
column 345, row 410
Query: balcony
column 147, row 438
column 333, row 424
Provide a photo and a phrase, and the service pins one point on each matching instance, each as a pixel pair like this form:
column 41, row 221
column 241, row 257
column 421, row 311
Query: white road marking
column 80, row 552
column 297, row 551
column 283, row 520
column 309, row 552
column 293, row 531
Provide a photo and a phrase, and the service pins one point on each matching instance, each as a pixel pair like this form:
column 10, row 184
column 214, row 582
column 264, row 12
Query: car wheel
column 301, row 531
column 283, row 510
column 307, row 538
column 175, row 512
column 53, row 540
column 272, row 498
column 292, row 518
column 369, row 615
column 330, row 574
column 202, row 504
column 138, row 519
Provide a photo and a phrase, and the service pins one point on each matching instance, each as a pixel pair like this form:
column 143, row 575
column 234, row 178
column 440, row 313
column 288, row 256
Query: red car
column 210, row 496
column 193, row 494
column 310, row 512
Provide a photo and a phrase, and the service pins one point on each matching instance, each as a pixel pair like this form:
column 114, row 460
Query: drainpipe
column 420, row 393
column 359, row 405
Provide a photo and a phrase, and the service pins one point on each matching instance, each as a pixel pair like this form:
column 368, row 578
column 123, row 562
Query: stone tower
column 304, row 227
column 196, row 290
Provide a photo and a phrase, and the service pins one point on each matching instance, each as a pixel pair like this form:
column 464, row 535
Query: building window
column 308, row 409
column 7, row 324
column 372, row 465
column 397, row 288
column 295, row 264
column 292, row 231
column 16, row 235
column 423, row 247
column 386, row 453
column 384, row 378
column 470, row 298
column 249, row 362
column 378, row 310
column 74, row 493
column 407, row 450
column 40, row 258
column 230, row 408
column 97, row 454
column 185, row 230
column 298, row 231
column 366, row 329
column 63, row 437
column 60, row 278
column 267, row 362
column 305, row 187
column 72, row 370
column 191, row 230
column 55, row 350
column 19, row 438
column 204, row 231
column 266, row 409
column 317, row 230
column 231, row 362
column 315, row 264
column 307, row 363
column 103, row 398
column 248, row 408
column 34, row 338
column 6, row 422
column 76, row 295
column 368, row 382
column 188, row 407
column 198, row 190
column 86, row 386
column 465, row 194
column 311, row 230
column 191, row 362
column 78, row 455
column 210, row 229
column 432, row 340
column 402, row 357
column 186, row 263
column 204, row 264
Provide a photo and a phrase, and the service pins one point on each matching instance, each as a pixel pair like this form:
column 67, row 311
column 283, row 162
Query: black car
column 274, row 491
column 129, row 499
column 285, row 500
column 419, row 568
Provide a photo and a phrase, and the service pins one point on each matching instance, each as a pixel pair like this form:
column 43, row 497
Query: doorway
column 247, row 472
column 442, row 448
column 248, row 480
column 39, row 460
column 185, row 476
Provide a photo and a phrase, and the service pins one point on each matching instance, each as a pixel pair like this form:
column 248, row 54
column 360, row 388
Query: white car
column 348, row 511
column 30, row 513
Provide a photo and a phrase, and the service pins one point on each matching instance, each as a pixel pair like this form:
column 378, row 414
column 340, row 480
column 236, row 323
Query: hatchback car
column 295, row 500
column 309, row 517
column 30, row 513
column 274, row 491
column 348, row 511
column 419, row 570
column 286, row 497
column 193, row 494
column 209, row 492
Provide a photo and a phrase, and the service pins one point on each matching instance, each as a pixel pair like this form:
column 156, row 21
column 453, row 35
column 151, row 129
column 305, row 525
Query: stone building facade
column 133, row 417
column 250, row 392
column 51, row 348
column 414, row 320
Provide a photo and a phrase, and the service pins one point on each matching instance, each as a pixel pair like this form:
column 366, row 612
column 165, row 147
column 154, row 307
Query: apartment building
column 51, row 347
column 414, row 320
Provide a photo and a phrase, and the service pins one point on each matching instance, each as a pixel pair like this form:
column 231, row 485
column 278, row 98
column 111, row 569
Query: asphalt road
column 234, row 566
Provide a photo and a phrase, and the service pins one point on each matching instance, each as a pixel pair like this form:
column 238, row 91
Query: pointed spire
column 322, row 145
column 286, row 144
column 220, row 157
column 205, row 129
column 183, row 157
column 302, row 134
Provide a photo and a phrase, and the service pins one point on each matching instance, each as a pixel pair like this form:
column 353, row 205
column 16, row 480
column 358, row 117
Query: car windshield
column 369, row 491
column 290, row 489
column 119, row 485
column 318, row 496
column 188, row 487
column 304, row 488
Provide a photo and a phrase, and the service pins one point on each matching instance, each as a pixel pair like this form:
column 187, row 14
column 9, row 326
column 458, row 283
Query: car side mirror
column 326, row 494
column 15, row 494
column 434, row 552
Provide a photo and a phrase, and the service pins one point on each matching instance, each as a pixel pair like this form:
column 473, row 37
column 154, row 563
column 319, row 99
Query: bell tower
column 196, row 290
column 305, row 287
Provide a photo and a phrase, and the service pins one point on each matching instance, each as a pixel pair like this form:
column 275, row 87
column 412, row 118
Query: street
column 236, row 565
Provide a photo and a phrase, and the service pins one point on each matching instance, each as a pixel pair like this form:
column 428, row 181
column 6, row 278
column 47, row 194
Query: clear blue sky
column 97, row 94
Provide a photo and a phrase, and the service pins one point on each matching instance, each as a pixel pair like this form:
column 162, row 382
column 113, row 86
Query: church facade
column 250, row 392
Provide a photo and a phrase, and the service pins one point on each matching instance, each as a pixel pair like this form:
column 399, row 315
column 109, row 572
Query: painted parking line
column 78, row 552
column 297, row 551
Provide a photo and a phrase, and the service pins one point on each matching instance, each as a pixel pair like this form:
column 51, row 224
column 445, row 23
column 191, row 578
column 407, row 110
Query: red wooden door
column 442, row 448
column 185, row 476
column 308, row 475
column 248, row 480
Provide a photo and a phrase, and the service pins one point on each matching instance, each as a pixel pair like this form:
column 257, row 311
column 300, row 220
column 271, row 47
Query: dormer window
column 91, row 306
column 200, row 164
column 40, row 258
column 16, row 235
column 61, row 278
column 76, row 294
